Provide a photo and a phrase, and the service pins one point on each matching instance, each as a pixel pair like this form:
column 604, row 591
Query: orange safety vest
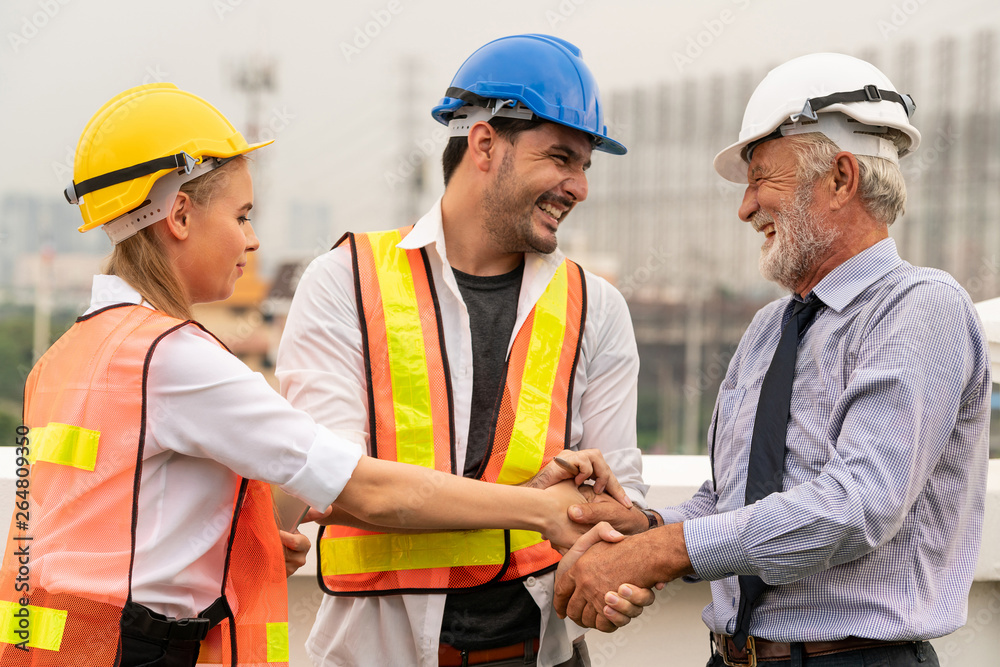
column 410, row 420
column 67, row 566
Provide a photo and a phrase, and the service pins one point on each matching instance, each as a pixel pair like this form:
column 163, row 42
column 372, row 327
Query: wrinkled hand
column 296, row 547
column 641, row 561
column 591, row 465
column 619, row 608
column 562, row 532
column 602, row 507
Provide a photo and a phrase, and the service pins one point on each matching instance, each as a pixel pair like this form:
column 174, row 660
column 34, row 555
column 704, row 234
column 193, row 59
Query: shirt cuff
column 671, row 515
column 714, row 548
column 329, row 465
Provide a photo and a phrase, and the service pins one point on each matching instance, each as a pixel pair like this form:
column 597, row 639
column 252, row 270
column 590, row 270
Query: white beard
column 799, row 243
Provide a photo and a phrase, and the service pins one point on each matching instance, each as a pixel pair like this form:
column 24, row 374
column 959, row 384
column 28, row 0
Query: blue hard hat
column 544, row 73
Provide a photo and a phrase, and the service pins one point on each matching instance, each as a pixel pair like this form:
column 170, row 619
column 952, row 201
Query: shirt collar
column 429, row 229
column 112, row 290
column 839, row 287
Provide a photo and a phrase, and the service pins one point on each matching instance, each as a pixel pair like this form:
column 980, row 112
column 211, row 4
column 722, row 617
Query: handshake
column 611, row 560
column 616, row 559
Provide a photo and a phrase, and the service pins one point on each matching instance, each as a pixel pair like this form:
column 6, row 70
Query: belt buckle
column 190, row 628
column 751, row 654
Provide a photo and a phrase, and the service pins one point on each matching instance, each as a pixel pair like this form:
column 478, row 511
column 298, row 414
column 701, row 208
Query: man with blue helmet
column 469, row 343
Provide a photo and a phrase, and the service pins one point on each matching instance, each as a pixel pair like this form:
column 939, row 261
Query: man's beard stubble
column 800, row 242
column 507, row 211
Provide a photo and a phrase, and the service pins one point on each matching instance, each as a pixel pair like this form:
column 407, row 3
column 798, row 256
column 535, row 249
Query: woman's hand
column 561, row 531
column 581, row 466
column 296, row 547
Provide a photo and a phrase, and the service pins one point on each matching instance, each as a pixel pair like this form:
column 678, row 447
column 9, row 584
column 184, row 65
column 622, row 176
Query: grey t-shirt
column 503, row 613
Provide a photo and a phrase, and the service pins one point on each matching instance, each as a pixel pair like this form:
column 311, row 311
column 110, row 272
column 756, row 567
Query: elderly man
column 467, row 342
column 849, row 442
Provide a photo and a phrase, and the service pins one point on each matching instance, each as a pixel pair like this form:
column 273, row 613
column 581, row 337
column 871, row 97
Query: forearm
column 396, row 495
column 341, row 517
column 661, row 553
column 835, row 518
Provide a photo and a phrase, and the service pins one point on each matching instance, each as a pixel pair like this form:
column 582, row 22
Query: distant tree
column 16, row 332
column 8, row 426
column 16, row 335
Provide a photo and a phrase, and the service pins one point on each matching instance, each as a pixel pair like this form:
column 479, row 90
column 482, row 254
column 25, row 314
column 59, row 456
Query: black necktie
column 767, row 445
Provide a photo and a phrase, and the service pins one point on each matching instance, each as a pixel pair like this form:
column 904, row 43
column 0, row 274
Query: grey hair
column 881, row 186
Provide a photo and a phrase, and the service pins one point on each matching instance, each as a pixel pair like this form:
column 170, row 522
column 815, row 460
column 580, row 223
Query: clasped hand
column 597, row 567
column 607, row 512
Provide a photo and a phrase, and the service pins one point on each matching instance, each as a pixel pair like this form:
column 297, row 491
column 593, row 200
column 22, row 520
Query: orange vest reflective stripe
column 410, row 420
column 85, row 406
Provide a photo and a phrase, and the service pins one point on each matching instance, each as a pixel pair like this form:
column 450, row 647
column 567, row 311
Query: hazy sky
column 341, row 101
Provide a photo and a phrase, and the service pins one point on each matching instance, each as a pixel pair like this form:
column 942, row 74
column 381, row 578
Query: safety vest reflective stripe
column 411, row 420
column 258, row 645
column 386, row 552
column 530, row 430
column 526, row 451
column 64, row 444
column 37, row 627
column 522, row 539
column 277, row 642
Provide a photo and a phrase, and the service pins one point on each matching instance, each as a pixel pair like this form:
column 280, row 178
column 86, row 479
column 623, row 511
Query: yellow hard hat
column 140, row 135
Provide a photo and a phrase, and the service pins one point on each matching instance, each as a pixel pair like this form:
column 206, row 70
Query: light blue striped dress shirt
column 877, row 530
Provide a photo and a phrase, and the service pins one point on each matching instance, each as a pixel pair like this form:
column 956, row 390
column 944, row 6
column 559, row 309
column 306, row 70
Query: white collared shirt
column 209, row 421
column 321, row 370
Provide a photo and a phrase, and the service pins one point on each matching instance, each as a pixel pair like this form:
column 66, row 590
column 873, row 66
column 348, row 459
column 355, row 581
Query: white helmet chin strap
column 847, row 133
column 469, row 115
column 158, row 202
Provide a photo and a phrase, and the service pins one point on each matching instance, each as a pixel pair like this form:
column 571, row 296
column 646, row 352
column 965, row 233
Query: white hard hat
column 801, row 95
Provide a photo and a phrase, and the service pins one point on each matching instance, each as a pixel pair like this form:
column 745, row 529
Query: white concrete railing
column 671, row 632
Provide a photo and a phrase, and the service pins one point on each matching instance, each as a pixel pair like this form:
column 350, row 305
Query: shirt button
column 734, row 603
column 530, row 581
